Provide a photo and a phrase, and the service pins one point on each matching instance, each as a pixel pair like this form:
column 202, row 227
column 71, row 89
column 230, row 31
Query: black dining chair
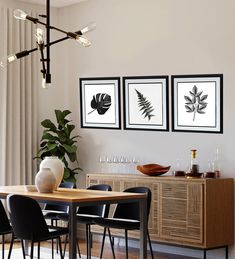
column 5, row 228
column 51, row 212
column 126, row 216
column 28, row 223
column 86, row 215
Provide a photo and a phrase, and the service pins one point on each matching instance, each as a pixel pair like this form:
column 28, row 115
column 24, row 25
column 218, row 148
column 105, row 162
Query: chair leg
column 65, row 244
column 87, row 242
column 38, row 250
column 11, row 245
column 60, row 248
column 90, row 240
column 78, row 247
column 150, row 244
column 111, row 243
column 126, row 241
column 52, row 249
column 32, row 247
column 102, row 246
column 23, row 250
column 3, row 244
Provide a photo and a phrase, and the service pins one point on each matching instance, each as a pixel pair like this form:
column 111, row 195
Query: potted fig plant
column 57, row 140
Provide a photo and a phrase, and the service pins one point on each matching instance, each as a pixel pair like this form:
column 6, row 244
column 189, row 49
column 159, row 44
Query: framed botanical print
column 146, row 103
column 100, row 102
column 197, row 103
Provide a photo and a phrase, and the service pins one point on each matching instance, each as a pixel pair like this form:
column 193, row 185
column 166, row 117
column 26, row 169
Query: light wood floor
column 119, row 251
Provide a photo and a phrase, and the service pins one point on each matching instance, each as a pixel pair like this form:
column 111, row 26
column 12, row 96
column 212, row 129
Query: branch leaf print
column 145, row 106
column 100, row 103
column 195, row 103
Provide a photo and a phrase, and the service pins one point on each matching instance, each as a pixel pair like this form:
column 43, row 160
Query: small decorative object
column 146, row 103
column 194, row 167
column 179, row 173
column 153, row 169
column 56, row 166
column 45, row 180
column 100, row 102
column 30, row 188
column 197, row 103
column 216, row 164
column 57, row 140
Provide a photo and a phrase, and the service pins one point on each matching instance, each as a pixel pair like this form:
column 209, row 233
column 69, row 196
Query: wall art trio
column 196, row 103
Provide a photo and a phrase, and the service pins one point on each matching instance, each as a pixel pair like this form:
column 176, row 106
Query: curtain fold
column 18, row 102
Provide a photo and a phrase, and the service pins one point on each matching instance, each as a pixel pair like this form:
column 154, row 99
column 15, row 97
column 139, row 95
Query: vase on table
column 56, row 166
column 45, row 180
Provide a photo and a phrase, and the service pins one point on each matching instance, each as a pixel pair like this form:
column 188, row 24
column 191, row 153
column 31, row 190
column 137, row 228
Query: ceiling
column 55, row 3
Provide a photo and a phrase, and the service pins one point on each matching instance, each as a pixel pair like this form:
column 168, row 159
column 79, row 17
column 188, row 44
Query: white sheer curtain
column 18, row 102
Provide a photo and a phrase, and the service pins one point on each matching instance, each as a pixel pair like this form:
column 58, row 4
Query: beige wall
column 152, row 37
column 145, row 37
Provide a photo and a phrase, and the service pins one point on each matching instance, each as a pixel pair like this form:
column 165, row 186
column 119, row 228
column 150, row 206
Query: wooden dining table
column 82, row 197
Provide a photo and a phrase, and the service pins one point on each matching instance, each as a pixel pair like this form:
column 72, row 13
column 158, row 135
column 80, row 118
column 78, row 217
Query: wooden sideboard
column 196, row 212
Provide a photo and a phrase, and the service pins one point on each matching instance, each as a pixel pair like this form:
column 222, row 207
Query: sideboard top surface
column 158, row 178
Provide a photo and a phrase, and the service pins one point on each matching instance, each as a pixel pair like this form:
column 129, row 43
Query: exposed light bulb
column 90, row 27
column 6, row 60
column 19, row 14
column 39, row 35
column 44, row 84
column 84, row 41
column 81, row 39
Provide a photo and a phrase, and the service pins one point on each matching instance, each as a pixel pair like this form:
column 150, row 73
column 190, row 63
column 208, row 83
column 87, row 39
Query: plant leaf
column 49, row 125
column 204, row 97
column 189, row 108
column 145, row 106
column 101, row 102
column 195, row 90
column 189, row 101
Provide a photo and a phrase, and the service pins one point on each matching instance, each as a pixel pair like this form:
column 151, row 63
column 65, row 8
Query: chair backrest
column 131, row 210
column 26, row 217
column 63, row 208
column 4, row 221
column 99, row 210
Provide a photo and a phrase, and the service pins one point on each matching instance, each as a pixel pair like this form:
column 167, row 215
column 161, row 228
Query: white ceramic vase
column 45, row 180
column 56, row 166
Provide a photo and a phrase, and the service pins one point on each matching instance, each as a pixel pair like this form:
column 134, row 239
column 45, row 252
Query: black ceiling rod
column 48, row 75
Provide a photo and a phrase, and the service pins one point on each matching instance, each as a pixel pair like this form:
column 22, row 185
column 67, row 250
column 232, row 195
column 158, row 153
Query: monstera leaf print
column 145, row 106
column 100, row 103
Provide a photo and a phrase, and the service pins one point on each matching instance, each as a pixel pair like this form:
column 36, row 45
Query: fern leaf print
column 145, row 106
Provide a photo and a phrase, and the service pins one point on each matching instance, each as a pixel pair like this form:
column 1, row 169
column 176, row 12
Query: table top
column 71, row 195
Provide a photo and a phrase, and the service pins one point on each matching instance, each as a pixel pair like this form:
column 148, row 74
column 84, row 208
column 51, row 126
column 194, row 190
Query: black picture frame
column 145, row 100
column 100, row 102
column 197, row 103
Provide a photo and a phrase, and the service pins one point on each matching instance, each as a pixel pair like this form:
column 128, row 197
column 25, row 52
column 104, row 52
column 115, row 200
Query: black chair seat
column 52, row 214
column 117, row 223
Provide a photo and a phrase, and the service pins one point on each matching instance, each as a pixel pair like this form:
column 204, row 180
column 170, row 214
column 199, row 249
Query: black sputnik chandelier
column 45, row 47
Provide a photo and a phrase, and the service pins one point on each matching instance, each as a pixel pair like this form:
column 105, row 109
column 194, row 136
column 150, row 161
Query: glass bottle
column 194, row 167
column 216, row 164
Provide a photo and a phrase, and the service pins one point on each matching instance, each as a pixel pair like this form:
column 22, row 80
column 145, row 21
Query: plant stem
column 91, row 111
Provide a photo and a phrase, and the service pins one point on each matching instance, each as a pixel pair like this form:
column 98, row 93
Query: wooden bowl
column 153, row 169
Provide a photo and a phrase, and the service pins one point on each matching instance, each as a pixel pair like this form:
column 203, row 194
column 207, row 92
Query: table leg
column 143, row 228
column 72, row 231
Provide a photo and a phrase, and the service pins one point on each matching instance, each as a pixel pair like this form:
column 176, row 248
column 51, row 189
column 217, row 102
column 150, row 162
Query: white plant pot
column 56, row 166
column 45, row 180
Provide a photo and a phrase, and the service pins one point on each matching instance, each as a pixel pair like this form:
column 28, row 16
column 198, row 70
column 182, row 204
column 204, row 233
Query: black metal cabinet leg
column 226, row 252
column 204, row 254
